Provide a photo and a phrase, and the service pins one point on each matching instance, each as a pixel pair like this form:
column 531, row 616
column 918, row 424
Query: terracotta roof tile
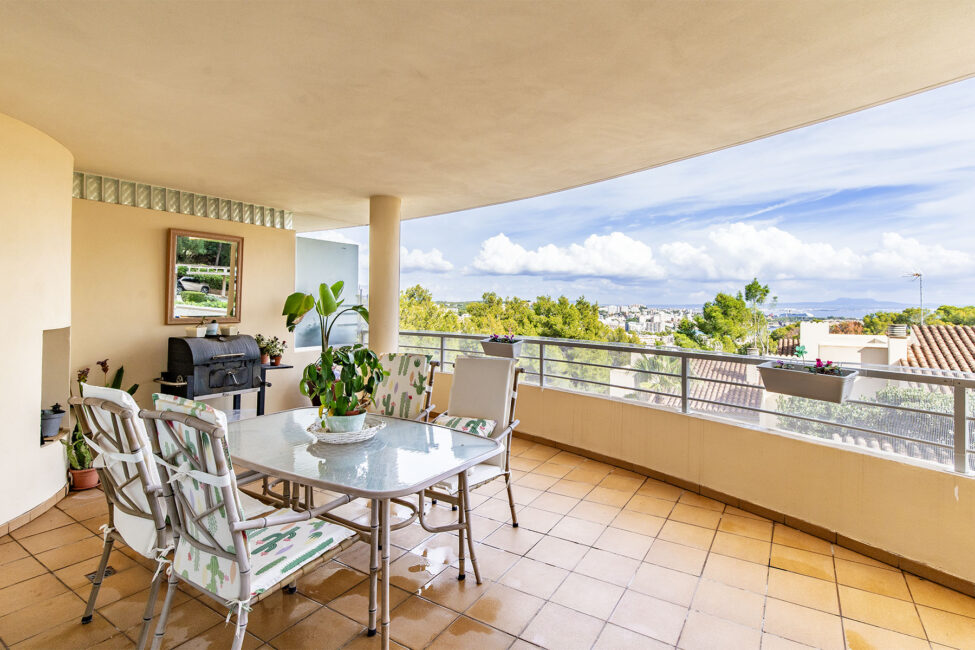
column 787, row 346
column 948, row 347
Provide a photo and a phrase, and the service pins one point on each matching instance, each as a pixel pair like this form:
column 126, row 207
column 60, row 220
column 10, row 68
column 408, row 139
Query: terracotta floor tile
column 746, row 526
column 76, row 575
column 625, row 543
column 809, row 626
column 676, row 556
column 614, row 637
column 868, row 578
column 650, row 616
column 556, row 626
column 637, row 522
column 558, row 552
column 608, row 496
column 803, row 590
column 127, row 612
column 492, row 562
column 938, row 597
column 362, row 641
column 53, row 518
column 185, row 622
column 595, row 512
column 568, row 458
column 354, row 603
column 50, row 539
column 853, row 556
column 221, row 636
column 867, row 637
column 705, row 632
column 522, row 494
column 730, row 603
column 947, row 628
column 743, row 548
column 694, row 499
column 506, row 609
column 588, row 595
column 552, row 469
column 92, row 508
column 607, row 566
column 574, row 489
column 329, row 581
column 417, row 622
column 737, row 573
column 686, row 534
column 410, row 572
column 322, row 630
column 660, row 490
column 440, row 550
column 804, row 562
column 29, row 592
column 666, row 584
column 70, row 635
column 539, row 452
column 465, row 633
column 772, row 642
column 83, row 549
column 491, row 488
column 577, row 530
column 514, row 540
column 278, row 612
column 40, row 616
column 583, row 475
column 524, row 464
column 482, row 526
column 534, row 577
column 409, row 537
column 541, row 521
column 621, row 480
column 119, row 585
column 650, row 505
column 11, row 552
column 555, row 503
column 704, row 517
column 122, row 642
column 20, row 570
column 496, row 509
column 788, row 536
column 458, row 595
column 882, row 611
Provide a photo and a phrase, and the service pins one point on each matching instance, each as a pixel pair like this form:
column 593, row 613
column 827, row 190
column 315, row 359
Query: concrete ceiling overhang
column 315, row 106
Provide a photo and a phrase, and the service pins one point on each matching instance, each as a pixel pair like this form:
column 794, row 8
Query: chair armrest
column 508, row 431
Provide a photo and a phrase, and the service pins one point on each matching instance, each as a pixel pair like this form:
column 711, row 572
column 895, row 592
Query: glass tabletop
column 404, row 457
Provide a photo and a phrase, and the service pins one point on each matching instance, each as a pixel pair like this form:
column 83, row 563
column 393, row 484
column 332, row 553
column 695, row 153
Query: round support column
column 384, row 218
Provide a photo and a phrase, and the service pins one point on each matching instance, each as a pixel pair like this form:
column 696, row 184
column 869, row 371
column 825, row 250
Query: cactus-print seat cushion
column 477, row 426
column 402, row 390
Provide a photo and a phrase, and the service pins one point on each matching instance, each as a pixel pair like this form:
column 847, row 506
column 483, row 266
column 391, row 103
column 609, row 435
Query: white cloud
column 419, row 260
column 599, row 256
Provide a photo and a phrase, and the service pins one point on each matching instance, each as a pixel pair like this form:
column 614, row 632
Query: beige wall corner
column 35, row 260
column 384, row 224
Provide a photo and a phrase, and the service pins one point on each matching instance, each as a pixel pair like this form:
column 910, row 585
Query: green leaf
column 132, row 389
column 327, row 304
column 117, row 379
column 362, row 311
column 337, row 289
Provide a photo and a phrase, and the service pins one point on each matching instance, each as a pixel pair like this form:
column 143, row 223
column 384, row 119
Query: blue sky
column 839, row 209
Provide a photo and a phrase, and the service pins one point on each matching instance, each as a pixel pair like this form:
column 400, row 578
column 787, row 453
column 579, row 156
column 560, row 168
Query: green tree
column 756, row 294
column 725, row 321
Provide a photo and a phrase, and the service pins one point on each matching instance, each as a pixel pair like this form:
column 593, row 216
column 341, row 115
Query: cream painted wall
column 920, row 513
column 118, row 287
column 35, row 262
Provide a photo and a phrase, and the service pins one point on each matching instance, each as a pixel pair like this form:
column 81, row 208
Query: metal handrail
column 958, row 380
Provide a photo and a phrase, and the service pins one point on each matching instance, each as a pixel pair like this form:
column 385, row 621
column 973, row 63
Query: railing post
column 685, row 381
column 541, row 365
column 961, row 430
column 443, row 353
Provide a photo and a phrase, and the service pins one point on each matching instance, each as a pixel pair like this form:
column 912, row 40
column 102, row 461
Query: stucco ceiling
column 315, row 106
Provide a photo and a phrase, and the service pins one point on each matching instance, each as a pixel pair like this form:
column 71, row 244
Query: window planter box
column 506, row 350
column 802, row 383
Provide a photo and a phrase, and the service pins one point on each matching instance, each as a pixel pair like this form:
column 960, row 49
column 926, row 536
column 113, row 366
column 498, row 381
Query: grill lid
column 185, row 351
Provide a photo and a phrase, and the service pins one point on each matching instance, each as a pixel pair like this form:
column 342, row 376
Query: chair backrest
column 483, row 387
column 406, row 389
column 189, row 438
column 118, row 438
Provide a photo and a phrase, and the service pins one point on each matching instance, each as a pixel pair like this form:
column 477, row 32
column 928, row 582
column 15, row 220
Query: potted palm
column 502, row 345
column 342, row 382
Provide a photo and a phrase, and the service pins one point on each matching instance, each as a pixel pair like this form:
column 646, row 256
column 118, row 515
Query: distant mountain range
column 838, row 307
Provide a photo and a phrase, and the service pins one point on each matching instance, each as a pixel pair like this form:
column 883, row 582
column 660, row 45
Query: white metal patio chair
column 235, row 560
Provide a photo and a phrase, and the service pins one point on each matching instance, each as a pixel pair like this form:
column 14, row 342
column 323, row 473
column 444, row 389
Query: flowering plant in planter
column 502, row 345
column 503, row 338
column 821, row 367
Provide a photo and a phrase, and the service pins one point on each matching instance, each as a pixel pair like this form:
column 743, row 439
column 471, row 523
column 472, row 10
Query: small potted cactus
column 81, row 474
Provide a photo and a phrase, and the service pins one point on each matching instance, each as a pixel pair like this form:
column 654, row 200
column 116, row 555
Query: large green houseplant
column 344, row 380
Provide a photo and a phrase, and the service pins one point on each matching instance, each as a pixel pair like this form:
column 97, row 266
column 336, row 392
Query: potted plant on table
column 502, row 345
column 343, row 381
column 264, row 345
column 197, row 331
column 823, row 380
column 276, row 350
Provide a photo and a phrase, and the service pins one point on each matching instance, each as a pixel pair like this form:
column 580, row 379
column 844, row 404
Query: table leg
column 384, row 585
column 373, row 565
column 465, row 507
column 262, row 392
column 460, row 532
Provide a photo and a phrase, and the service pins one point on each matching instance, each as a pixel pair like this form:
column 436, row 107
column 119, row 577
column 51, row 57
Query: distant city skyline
column 844, row 208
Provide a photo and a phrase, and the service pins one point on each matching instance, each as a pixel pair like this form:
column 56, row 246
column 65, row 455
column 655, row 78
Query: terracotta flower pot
column 83, row 479
column 265, row 359
column 276, row 360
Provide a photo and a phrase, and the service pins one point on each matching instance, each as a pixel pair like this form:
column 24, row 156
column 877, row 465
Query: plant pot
column 802, row 383
column 228, row 330
column 50, row 423
column 213, row 329
column 345, row 423
column 276, row 360
column 196, row 331
column 83, row 479
column 265, row 359
column 506, row 350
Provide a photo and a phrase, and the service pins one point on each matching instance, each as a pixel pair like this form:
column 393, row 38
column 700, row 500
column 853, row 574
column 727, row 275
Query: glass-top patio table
column 403, row 459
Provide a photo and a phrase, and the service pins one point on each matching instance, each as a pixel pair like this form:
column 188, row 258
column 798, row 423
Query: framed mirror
column 204, row 277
